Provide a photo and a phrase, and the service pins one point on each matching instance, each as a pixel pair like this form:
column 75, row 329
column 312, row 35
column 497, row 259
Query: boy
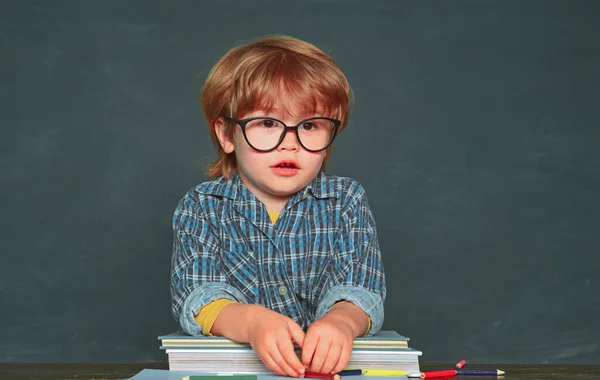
column 274, row 247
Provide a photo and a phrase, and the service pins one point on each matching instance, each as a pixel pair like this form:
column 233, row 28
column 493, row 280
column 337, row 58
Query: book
column 162, row 374
column 242, row 361
column 214, row 354
column 382, row 339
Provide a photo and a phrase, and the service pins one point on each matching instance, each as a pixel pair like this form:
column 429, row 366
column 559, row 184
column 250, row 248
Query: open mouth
column 286, row 165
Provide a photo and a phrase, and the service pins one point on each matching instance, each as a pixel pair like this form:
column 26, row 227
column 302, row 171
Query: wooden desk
column 95, row 371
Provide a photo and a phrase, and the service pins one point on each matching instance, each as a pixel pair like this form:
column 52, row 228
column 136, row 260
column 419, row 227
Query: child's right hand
column 272, row 336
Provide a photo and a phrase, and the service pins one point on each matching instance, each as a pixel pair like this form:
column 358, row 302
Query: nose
column 290, row 142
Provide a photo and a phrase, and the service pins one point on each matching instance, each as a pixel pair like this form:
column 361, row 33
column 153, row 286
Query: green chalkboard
column 475, row 130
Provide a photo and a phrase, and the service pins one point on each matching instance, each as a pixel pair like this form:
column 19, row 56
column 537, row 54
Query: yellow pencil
column 384, row 372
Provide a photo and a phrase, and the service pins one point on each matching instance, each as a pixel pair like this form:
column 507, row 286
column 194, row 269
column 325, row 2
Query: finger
column 270, row 363
column 282, row 362
column 297, row 333
column 320, row 355
column 308, row 349
column 344, row 358
column 332, row 358
column 287, row 351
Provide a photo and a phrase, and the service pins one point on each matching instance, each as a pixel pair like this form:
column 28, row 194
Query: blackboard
column 475, row 130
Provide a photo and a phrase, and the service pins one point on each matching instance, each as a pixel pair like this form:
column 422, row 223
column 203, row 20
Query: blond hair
column 252, row 76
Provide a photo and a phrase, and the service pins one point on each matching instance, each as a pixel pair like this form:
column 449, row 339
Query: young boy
column 273, row 246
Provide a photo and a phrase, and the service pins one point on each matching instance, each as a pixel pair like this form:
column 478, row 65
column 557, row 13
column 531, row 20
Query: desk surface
column 95, row 371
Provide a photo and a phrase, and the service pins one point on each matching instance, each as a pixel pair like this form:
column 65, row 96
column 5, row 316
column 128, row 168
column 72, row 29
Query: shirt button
column 282, row 290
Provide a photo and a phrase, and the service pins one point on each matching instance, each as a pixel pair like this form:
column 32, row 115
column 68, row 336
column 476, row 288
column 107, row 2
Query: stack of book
column 214, row 354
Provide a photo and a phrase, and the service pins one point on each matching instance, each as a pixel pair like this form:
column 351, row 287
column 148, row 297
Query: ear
column 224, row 139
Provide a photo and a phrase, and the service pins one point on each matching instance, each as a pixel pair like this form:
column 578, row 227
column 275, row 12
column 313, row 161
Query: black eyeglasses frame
column 243, row 122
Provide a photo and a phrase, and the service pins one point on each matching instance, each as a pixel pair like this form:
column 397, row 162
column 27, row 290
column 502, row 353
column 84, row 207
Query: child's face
column 276, row 175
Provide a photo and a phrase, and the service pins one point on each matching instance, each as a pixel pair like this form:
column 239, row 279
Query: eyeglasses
column 264, row 134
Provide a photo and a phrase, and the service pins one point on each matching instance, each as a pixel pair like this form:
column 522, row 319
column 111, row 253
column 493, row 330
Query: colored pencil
column 384, row 372
column 480, row 372
column 429, row 375
column 373, row 372
column 350, row 372
column 318, row 375
column 461, row 364
column 476, row 372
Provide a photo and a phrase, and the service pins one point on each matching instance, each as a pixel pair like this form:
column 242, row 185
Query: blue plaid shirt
column 323, row 248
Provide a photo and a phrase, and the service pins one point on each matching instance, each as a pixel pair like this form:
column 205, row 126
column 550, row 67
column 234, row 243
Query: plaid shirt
column 323, row 248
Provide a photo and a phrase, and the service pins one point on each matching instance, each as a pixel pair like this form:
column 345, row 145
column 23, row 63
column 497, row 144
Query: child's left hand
column 328, row 344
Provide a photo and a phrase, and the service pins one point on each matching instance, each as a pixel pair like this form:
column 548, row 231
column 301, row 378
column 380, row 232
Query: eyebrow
column 278, row 114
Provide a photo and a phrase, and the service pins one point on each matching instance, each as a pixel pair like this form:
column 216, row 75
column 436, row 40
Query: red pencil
column 318, row 375
column 447, row 373
column 461, row 364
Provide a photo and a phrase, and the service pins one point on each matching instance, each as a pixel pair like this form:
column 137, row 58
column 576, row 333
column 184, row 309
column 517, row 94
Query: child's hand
column 271, row 338
column 328, row 344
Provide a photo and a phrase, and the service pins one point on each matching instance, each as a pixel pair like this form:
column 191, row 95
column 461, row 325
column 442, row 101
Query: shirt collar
column 222, row 187
column 322, row 186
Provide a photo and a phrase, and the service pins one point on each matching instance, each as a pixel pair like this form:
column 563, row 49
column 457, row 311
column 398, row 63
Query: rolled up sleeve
column 371, row 303
column 196, row 278
column 357, row 273
column 203, row 295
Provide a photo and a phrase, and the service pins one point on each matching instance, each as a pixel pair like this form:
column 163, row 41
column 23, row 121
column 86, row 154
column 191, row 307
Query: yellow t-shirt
column 208, row 314
column 273, row 216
